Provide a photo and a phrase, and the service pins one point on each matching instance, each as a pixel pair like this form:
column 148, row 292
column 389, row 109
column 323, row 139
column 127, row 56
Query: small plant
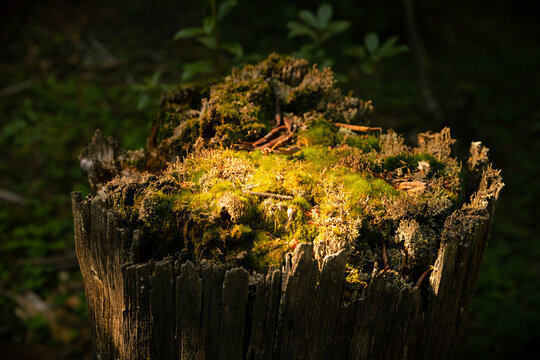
column 319, row 29
column 372, row 52
column 150, row 89
column 209, row 35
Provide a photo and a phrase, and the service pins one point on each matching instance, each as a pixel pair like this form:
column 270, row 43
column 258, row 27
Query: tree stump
column 170, row 309
column 373, row 247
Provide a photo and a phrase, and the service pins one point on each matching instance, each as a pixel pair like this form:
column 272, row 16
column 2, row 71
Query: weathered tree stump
column 170, row 309
column 388, row 239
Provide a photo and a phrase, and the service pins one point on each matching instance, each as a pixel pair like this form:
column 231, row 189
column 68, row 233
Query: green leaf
column 356, row 51
column 324, row 14
column 208, row 41
column 153, row 82
column 389, row 49
column 143, row 100
column 298, row 29
column 305, row 52
column 225, row 7
column 233, row 48
column 389, row 43
column 371, row 41
column 367, row 67
column 325, row 63
column 337, row 27
column 308, row 48
column 196, row 68
column 208, row 24
column 308, row 17
column 188, row 33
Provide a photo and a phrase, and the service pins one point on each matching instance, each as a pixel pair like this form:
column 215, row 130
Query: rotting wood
column 170, row 309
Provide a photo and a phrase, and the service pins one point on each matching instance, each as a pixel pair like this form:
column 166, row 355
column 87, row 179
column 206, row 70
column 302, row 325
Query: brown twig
column 358, row 128
column 268, row 136
column 287, row 151
column 11, row 197
column 268, row 194
column 423, row 277
column 271, row 143
column 384, row 255
column 278, row 113
column 288, row 123
column 284, row 139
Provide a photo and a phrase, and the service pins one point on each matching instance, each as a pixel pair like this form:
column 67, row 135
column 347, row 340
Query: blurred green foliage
column 372, row 52
column 209, row 35
column 58, row 83
column 319, row 29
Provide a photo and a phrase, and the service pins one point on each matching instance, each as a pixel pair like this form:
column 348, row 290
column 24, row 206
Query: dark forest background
column 69, row 67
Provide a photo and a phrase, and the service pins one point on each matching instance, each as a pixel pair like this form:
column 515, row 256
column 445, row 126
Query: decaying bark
column 103, row 159
column 170, row 309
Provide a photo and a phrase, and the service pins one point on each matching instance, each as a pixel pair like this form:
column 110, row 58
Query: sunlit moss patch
column 208, row 191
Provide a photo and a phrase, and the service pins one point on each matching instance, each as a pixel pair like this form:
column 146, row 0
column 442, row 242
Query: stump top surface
column 243, row 170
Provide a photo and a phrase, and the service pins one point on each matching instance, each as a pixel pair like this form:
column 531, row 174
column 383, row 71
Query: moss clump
column 354, row 279
column 241, row 110
column 178, row 107
column 427, row 163
column 320, row 132
column 339, row 189
column 242, row 107
column 249, row 208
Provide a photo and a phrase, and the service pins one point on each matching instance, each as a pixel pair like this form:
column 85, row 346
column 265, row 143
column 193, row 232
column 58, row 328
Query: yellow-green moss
column 238, row 111
column 340, row 190
column 410, row 162
column 216, row 194
column 354, row 279
column 242, row 107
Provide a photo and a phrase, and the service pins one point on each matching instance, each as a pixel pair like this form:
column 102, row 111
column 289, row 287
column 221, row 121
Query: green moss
column 319, row 157
column 242, row 106
column 303, row 99
column 238, row 111
column 266, row 252
column 364, row 143
column 176, row 105
column 320, row 132
column 302, row 203
column 354, row 279
column 245, row 207
column 410, row 162
column 209, row 203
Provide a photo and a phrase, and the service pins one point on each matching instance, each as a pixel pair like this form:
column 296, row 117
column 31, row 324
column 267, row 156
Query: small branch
column 267, row 194
column 423, row 277
column 268, row 136
column 281, row 140
column 16, row 88
column 384, row 255
column 358, row 128
column 279, row 116
column 12, row 197
column 270, row 143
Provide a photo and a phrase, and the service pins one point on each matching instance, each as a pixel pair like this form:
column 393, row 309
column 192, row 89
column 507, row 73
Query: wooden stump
column 170, row 309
